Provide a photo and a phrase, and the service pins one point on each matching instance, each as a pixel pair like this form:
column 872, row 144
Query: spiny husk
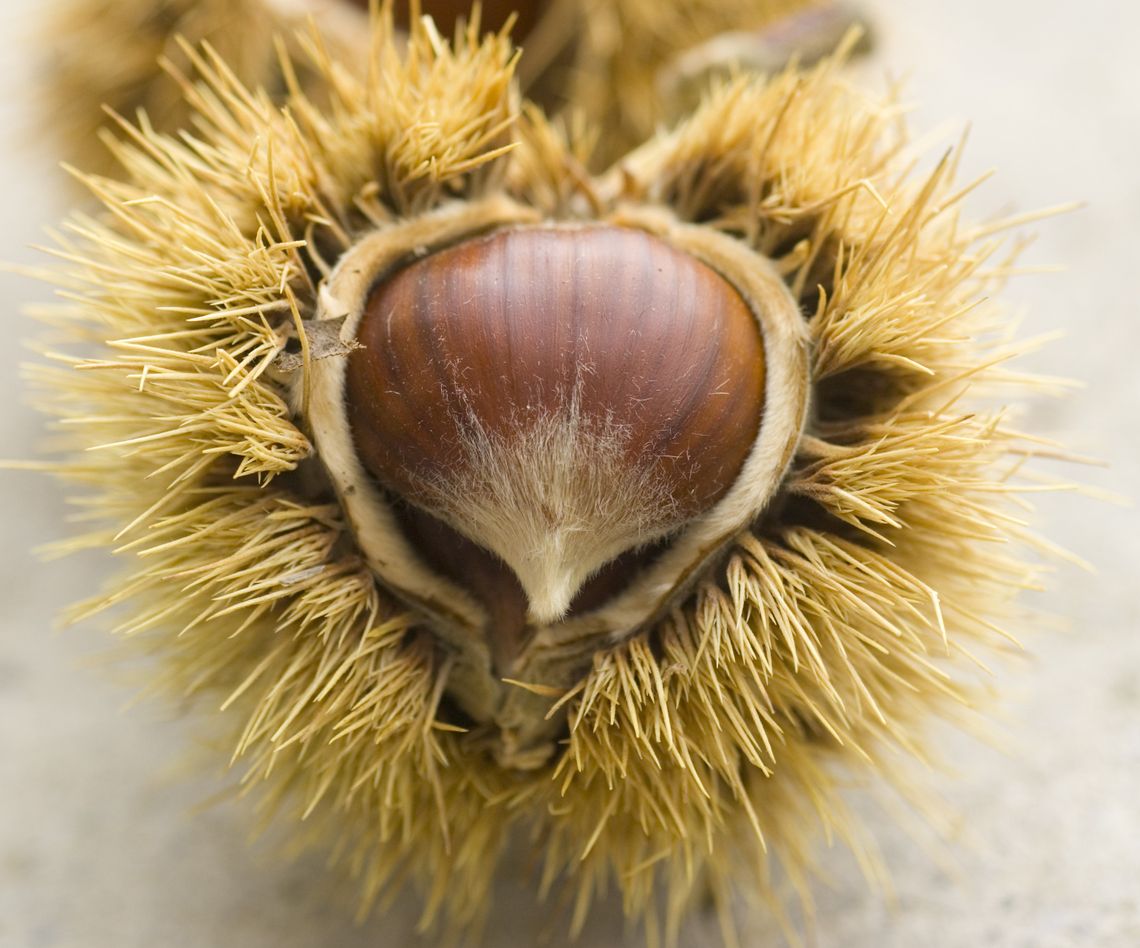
column 605, row 58
column 107, row 54
column 698, row 751
column 639, row 63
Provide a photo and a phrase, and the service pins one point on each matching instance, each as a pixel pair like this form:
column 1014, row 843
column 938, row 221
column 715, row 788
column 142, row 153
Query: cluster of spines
column 825, row 635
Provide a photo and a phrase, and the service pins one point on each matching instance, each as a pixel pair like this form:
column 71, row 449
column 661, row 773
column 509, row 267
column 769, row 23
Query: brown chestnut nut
column 545, row 431
column 558, row 394
column 446, row 13
column 493, row 17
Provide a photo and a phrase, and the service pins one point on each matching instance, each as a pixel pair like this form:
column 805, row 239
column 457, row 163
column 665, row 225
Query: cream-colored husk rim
column 456, row 615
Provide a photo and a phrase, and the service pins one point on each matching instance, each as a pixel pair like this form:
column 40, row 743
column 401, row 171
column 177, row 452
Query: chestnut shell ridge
column 546, row 403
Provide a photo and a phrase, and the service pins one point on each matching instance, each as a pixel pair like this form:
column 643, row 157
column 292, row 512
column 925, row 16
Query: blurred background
column 104, row 839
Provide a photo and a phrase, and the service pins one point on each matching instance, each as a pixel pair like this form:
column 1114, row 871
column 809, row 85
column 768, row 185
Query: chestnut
column 494, row 13
column 479, row 494
column 547, row 430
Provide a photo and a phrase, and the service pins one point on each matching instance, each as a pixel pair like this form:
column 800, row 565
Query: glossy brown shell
column 495, row 13
column 510, row 327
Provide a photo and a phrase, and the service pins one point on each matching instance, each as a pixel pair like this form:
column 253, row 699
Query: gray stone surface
column 102, row 844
